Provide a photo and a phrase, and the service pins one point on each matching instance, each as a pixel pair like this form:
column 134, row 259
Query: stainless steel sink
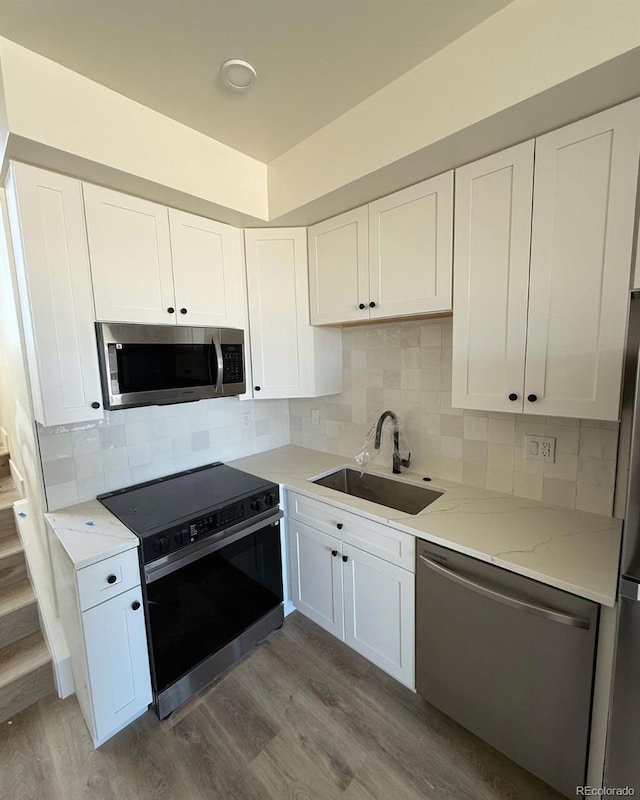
column 386, row 492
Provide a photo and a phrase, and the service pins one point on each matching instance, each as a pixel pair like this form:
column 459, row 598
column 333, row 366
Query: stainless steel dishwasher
column 508, row 658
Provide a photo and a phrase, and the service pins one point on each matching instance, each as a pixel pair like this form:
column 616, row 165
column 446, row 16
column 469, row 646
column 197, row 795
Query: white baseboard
column 16, row 476
column 39, row 573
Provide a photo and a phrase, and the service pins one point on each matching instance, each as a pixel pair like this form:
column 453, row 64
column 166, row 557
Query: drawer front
column 96, row 583
column 372, row 537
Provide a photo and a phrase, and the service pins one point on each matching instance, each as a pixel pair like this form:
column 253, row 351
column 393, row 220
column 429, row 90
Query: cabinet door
column 316, row 576
column 281, row 337
column 379, row 613
column 410, row 249
column 116, row 645
column 130, row 257
column 491, row 280
column 583, row 219
column 339, row 268
column 207, row 271
column 54, row 284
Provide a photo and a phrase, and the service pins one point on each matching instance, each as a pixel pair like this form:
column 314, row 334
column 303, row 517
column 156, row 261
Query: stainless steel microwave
column 148, row 365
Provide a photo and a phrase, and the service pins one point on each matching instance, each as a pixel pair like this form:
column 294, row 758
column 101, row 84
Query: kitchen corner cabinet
column 389, row 259
column 102, row 615
column 46, row 220
column 578, row 275
column 151, row 264
column 362, row 599
column 289, row 357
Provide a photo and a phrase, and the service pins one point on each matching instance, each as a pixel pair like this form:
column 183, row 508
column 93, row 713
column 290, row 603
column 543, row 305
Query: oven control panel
column 173, row 539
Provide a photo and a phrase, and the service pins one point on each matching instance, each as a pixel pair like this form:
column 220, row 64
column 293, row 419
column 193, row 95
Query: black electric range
column 210, row 561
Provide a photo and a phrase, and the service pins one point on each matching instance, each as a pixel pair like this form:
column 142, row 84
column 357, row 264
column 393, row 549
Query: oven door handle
column 216, row 360
column 174, row 561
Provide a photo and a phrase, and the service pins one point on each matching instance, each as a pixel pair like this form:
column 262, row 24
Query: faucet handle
column 406, row 461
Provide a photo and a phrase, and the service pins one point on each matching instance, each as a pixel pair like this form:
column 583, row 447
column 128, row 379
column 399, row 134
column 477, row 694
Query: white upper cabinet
column 571, row 293
column 54, row 284
column 410, row 250
column 491, row 279
column 289, row 357
column 208, row 271
column 130, row 254
column 585, row 181
column 339, row 268
column 391, row 258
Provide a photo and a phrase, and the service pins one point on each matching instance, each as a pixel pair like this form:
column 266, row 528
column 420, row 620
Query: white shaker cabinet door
column 379, row 613
column 130, row 255
column 583, row 220
column 117, row 660
column 410, row 249
column 491, row 280
column 316, row 576
column 281, row 338
column 339, row 268
column 54, row 283
column 208, row 271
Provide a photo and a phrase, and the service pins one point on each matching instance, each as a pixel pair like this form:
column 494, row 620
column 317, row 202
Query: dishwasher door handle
column 515, row 602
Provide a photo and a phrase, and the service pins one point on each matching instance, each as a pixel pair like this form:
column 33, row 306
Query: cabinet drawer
column 372, row 537
column 96, row 584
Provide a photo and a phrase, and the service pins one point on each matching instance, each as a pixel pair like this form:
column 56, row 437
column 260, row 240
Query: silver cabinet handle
column 493, row 594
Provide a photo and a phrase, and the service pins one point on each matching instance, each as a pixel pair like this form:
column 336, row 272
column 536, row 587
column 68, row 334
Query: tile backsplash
column 138, row 444
column 407, row 367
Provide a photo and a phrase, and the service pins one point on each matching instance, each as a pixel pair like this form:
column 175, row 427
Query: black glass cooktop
column 149, row 507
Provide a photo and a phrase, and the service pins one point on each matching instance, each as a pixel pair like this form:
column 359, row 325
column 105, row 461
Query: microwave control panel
column 232, row 364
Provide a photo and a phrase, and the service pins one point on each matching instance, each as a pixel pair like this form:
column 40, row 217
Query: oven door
column 208, row 608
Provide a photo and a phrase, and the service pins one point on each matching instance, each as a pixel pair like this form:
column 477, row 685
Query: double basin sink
column 387, row 492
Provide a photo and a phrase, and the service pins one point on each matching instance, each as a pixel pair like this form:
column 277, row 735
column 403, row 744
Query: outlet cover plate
column 540, row 448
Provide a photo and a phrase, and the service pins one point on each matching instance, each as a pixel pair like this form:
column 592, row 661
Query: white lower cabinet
column 116, row 643
column 379, row 612
column 102, row 616
column 363, row 600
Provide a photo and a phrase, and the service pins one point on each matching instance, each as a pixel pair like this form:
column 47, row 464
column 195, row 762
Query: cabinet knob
column 339, row 526
column 362, row 306
column 135, row 605
column 112, row 579
column 345, row 559
column 257, row 388
column 334, row 553
column 95, row 404
column 171, row 310
column 532, row 398
column 513, row 396
column 183, row 310
column 372, row 304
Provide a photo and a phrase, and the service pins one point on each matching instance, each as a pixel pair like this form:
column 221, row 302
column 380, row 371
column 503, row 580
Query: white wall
column 521, row 51
column 53, row 106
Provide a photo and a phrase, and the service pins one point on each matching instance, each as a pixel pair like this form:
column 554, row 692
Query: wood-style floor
column 301, row 717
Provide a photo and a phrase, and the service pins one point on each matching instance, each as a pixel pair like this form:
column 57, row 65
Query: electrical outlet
column 245, row 420
column 315, row 416
column 540, row 448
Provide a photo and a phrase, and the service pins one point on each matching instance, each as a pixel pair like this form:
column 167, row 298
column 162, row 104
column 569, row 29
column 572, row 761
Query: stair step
column 13, row 568
column 18, row 613
column 5, row 470
column 8, row 493
column 26, row 674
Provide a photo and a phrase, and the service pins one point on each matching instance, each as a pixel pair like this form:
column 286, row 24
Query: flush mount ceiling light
column 238, row 75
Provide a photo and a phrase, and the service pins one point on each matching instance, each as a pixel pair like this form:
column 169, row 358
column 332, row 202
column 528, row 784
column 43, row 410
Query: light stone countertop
column 571, row 550
column 90, row 533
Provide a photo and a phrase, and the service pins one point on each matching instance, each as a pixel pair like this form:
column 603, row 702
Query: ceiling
column 315, row 58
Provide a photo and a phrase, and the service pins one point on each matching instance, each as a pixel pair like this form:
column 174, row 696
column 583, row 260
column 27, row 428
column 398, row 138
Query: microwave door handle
column 215, row 358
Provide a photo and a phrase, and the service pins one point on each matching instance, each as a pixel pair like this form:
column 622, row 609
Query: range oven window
column 198, row 609
column 152, row 367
